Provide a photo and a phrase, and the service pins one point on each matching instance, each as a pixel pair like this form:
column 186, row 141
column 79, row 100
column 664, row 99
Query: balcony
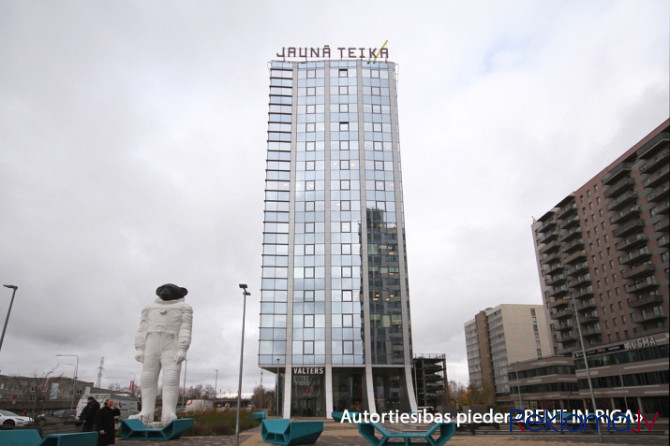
column 663, row 241
column 616, row 173
column 628, row 228
column 568, row 312
column 626, row 214
column 556, row 279
column 650, row 316
column 551, row 247
column 549, row 236
column 659, row 160
column 661, row 226
column 660, row 209
column 626, row 183
column 574, row 257
column 578, row 269
column 633, row 241
column 652, row 147
column 556, row 303
column 572, row 233
column 570, row 336
column 573, row 246
column 560, row 291
column 583, row 292
column 588, row 304
column 569, row 222
column 567, row 211
column 621, row 201
column 551, row 258
column 562, row 327
column 646, row 301
column 577, row 281
column 592, row 332
column 635, row 257
column 639, row 271
column 547, row 225
column 659, row 194
column 589, row 318
column 657, row 177
column 553, row 268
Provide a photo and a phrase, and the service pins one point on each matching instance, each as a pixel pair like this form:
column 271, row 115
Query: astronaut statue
column 162, row 340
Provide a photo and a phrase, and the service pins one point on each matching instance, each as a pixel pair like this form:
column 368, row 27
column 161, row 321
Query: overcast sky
column 133, row 154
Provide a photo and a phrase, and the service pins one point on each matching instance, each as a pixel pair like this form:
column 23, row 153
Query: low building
column 625, row 375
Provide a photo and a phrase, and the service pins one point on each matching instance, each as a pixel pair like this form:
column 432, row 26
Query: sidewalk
column 345, row 434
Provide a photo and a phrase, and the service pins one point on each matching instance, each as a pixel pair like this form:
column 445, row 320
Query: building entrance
column 308, row 392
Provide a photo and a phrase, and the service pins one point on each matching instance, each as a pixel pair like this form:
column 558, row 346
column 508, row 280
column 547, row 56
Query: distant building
column 603, row 258
column 499, row 336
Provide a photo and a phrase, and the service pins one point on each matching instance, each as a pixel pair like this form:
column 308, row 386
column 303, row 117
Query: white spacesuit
column 162, row 340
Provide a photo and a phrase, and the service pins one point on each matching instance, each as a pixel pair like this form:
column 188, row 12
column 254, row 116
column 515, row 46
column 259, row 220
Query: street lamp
column 74, row 378
column 586, row 364
column 277, row 390
column 11, row 302
column 245, row 293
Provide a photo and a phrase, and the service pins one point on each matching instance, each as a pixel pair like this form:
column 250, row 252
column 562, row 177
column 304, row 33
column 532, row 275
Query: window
column 311, row 109
column 344, row 145
column 343, row 89
column 344, row 126
column 311, row 91
column 343, row 72
column 344, row 108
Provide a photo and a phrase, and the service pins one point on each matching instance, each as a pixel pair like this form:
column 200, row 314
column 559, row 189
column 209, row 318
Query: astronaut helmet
column 170, row 291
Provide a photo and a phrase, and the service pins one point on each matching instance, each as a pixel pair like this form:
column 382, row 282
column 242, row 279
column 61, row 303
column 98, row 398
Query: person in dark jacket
column 104, row 422
column 88, row 414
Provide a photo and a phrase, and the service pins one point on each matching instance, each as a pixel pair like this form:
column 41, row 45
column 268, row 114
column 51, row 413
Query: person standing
column 88, row 414
column 104, row 422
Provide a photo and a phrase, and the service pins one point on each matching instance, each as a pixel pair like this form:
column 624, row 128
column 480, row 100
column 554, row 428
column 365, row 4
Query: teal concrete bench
column 337, row 416
column 377, row 435
column 136, row 430
column 286, row 432
column 258, row 415
column 30, row 437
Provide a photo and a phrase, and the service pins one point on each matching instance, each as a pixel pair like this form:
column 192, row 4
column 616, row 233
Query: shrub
column 214, row 423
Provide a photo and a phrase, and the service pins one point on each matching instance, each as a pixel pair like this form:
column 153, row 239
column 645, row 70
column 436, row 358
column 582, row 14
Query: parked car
column 10, row 420
column 57, row 417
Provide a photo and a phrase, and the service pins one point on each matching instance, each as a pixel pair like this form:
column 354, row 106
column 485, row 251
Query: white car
column 10, row 420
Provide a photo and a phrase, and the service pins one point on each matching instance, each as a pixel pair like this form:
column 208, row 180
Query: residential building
column 500, row 336
column 335, row 314
column 602, row 257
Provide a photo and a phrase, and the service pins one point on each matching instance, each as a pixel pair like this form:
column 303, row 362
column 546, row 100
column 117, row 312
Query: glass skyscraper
column 335, row 315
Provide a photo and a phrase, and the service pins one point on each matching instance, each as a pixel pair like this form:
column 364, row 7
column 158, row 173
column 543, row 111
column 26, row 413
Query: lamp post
column 586, row 364
column 11, row 302
column 277, row 390
column 245, row 293
column 74, row 378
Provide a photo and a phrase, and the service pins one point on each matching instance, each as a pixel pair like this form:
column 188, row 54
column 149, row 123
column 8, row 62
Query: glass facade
column 335, row 315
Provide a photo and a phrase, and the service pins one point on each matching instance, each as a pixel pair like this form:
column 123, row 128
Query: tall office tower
column 602, row 252
column 500, row 336
column 335, row 317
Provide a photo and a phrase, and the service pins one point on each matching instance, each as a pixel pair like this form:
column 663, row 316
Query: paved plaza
column 336, row 434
